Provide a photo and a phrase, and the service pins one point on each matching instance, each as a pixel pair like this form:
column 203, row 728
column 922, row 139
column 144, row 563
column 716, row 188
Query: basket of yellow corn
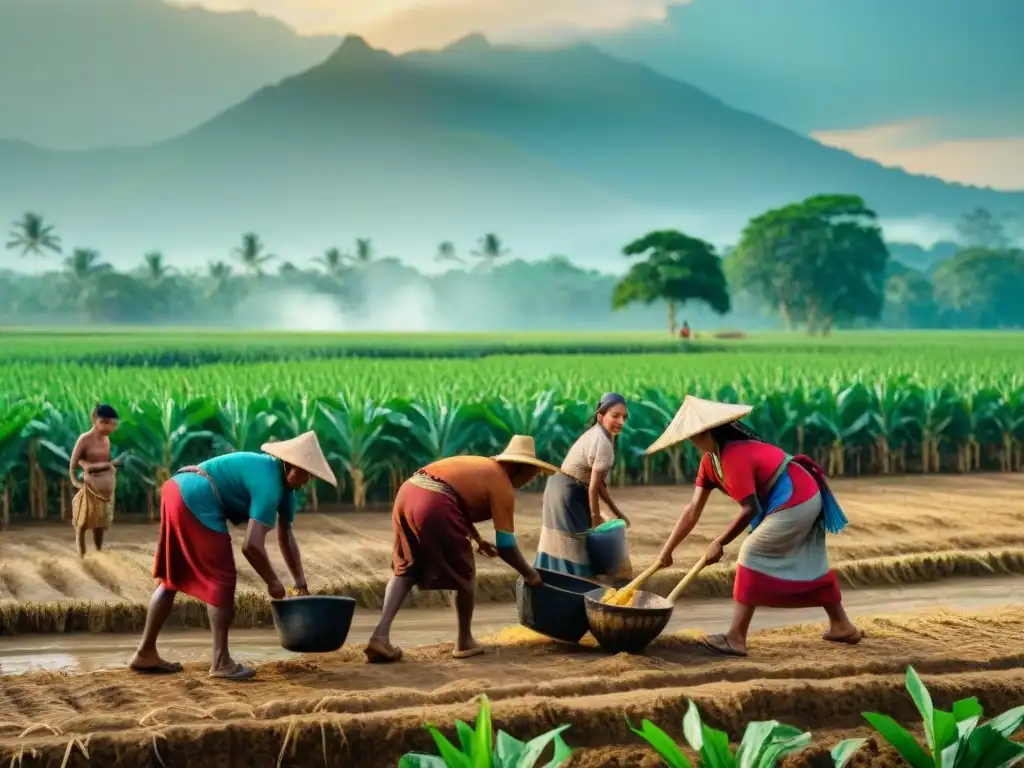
column 629, row 619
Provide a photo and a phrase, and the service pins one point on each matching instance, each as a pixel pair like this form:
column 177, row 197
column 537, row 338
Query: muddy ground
column 903, row 530
column 336, row 710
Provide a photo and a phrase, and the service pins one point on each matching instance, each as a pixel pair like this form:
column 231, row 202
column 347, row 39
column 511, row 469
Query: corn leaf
column 900, row 740
column 483, row 736
column 416, row 760
column 451, row 756
column 663, row 744
column 535, row 748
column 844, row 750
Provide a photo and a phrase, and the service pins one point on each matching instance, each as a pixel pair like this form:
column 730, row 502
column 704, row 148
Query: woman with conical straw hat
column 194, row 554
column 788, row 505
column 433, row 521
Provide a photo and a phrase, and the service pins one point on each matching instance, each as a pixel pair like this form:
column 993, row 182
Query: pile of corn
column 625, row 598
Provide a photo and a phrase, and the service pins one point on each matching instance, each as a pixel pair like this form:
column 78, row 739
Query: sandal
column 161, row 668
column 378, row 654
column 238, row 672
column 468, row 653
column 720, row 644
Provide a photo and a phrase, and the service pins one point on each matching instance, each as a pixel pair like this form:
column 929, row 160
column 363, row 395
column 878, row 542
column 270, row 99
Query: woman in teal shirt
column 194, row 554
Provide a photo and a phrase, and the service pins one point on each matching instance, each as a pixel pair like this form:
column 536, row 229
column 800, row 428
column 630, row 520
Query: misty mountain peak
column 354, row 50
column 471, row 43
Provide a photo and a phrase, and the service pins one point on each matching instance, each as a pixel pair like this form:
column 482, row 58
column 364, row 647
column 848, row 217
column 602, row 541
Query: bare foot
column 849, row 636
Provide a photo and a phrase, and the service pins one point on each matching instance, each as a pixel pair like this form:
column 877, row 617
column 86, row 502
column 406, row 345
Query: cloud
column 919, row 146
column 401, row 25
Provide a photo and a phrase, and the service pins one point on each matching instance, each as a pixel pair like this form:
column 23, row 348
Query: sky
column 927, row 85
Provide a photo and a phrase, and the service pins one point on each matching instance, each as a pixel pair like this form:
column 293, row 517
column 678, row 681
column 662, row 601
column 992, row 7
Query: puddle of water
column 86, row 653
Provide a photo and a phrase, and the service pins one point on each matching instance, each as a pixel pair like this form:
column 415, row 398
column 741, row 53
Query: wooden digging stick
column 675, row 593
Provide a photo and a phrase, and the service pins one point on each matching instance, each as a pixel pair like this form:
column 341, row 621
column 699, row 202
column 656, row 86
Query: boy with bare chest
column 93, row 505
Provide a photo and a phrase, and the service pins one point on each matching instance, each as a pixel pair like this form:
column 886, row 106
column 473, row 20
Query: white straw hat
column 694, row 416
column 303, row 452
column 522, row 450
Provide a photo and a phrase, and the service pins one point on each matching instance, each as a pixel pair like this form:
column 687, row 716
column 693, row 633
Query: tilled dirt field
column 903, row 530
column 336, row 710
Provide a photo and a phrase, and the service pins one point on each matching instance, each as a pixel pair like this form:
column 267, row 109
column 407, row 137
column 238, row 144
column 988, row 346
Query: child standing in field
column 93, row 505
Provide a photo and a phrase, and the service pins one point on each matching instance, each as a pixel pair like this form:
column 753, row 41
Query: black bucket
column 313, row 624
column 557, row 608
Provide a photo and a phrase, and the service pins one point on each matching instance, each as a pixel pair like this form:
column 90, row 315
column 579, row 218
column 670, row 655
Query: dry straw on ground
column 336, row 710
column 904, row 530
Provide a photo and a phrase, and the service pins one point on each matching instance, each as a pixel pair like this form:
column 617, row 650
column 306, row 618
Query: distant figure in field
column 93, row 505
column 684, row 332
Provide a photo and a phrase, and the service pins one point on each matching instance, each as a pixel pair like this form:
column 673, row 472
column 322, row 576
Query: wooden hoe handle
column 675, row 593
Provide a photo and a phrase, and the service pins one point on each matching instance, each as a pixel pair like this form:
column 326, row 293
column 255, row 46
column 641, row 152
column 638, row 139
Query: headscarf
column 609, row 400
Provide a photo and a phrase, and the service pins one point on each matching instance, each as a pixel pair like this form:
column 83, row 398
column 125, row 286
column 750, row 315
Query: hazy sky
column 921, row 143
column 402, row 25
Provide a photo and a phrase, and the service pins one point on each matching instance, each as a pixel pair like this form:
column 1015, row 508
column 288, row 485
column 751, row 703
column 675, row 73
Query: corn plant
column 763, row 745
column 955, row 739
column 479, row 749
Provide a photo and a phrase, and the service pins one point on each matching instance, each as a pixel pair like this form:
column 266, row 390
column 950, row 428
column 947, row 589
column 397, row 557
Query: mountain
column 561, row 149
column 85, row 73
column 832, row 64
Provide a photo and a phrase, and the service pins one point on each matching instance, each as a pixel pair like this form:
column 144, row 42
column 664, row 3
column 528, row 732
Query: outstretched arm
column 292, row 557
column 255, row 551
column 503, row 514
column 685, row 524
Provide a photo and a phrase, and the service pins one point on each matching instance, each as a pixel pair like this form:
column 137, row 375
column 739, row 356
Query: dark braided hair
column 733, row 432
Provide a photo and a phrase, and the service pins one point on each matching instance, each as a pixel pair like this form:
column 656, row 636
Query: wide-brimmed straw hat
column 522, row 450
column 697, row 415
column 303, row 452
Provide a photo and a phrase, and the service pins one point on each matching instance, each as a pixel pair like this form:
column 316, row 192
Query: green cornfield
column 860, row 404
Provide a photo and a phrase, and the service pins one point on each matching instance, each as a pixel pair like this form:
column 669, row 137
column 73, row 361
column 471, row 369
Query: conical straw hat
column 694, row 416
column 522, row 450
column 303, row 452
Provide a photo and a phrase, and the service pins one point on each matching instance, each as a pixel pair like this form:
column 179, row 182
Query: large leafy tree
column 819, row 262
column 909, row 298
column 678, row 269
column 982, row 288
column 980, row 229
column 31, row 234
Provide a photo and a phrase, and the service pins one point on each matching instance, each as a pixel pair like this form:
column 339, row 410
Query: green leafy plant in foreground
column 955, row 739
column 764, row 743
column 480, row 750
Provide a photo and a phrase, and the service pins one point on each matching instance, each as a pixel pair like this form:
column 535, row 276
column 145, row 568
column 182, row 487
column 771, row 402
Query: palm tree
column 84, row 264
column 220, row 274
column 154, row 267
column 490, row 249
column 253, row 254
column 446, row 252
column 32, row 235
column 333, row 262
column 364, row 252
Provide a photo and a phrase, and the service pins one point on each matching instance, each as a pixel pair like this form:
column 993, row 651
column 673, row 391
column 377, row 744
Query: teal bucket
column 607, row 548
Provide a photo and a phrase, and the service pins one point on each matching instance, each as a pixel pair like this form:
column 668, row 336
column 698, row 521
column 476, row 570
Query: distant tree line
column 817, row 264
